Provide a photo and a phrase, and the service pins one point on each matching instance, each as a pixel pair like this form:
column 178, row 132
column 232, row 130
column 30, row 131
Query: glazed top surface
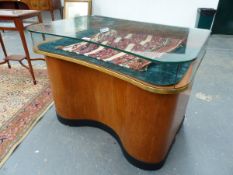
column 186, row 43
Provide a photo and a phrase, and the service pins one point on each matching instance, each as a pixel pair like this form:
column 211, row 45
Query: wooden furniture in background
column 15, row 21
column 8, row 58
column 47, row 5
column 4, row 52
column 74, row 8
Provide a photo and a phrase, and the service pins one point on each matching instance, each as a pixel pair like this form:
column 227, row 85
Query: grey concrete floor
column 204, row 146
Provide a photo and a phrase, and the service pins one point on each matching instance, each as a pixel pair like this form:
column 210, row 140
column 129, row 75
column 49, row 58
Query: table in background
column 14, row 20
column 45, row 5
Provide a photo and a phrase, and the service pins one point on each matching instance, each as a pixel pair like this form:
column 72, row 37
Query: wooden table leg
column 3, row 46
column 40, row 18
column 4, row 52
column 19, row 25
column 40, row 21
column 52, row 15
column 61, row 12
column 8, row 63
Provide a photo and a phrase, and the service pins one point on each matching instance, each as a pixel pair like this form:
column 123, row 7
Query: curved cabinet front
column 143, row 122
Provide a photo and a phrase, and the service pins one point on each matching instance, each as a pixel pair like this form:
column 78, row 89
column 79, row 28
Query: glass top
column 150, row 41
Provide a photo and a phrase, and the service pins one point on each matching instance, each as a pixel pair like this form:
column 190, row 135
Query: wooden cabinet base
column 144, row 123
column 131, row 159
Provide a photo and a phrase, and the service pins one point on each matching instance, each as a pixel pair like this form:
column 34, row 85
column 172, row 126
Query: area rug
column 22, row 105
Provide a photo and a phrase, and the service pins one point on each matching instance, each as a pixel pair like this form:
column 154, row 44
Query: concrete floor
column 204, row 145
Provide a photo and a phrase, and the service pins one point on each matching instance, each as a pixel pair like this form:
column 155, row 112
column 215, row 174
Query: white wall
column 173, row 12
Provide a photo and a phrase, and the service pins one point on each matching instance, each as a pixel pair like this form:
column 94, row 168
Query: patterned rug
column 22, row 104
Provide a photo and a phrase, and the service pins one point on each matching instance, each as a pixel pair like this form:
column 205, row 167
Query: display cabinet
column 129, row 78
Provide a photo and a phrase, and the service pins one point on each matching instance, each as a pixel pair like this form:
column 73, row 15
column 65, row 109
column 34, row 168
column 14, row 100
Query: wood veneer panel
column 146, row 122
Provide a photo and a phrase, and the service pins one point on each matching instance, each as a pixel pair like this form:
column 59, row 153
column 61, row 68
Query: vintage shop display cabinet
column 131, row 79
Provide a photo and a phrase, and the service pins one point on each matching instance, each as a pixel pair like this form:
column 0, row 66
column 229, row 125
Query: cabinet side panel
column 145, row 122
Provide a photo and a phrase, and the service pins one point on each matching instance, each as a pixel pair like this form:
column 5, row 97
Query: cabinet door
column 44, row 4
column 39, row 4
column 27, row 2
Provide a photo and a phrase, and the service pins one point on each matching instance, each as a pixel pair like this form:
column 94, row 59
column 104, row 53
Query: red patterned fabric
column 141, row 44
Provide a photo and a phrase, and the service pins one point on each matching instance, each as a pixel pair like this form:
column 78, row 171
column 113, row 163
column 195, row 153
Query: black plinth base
column 132, row 160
